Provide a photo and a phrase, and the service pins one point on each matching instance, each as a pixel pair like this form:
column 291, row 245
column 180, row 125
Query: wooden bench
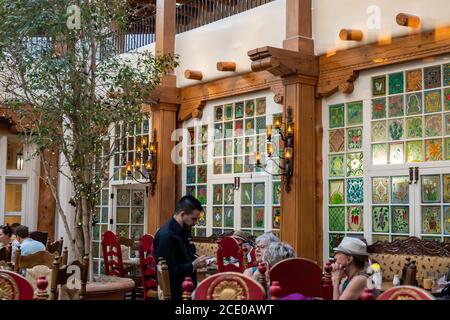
column 430, row 256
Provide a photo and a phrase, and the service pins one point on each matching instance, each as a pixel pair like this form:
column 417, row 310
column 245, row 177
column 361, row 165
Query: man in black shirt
column 172, row 242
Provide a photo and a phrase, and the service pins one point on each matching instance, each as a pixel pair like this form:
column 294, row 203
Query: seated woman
column 349, row 268
column 5, row 236
column 262, row 242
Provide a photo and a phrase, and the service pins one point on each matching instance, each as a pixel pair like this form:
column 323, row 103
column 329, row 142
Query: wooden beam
column 226, row 66
column 345, row 65
column 165, row 26
column 350, row 35
column 193, row 74
column 299, row 26
column 407, row 20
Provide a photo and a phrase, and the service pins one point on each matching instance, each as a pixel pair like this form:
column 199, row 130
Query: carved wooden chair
column 112, row 255
column 44, row 258
column 56, row 246
column 298, row 275
column 40, row 236
column 229, row 248
column 147, row 266
column 162, row 270
column 13, row 286
column 405, row 293
column 76, row 273
column 225, row 286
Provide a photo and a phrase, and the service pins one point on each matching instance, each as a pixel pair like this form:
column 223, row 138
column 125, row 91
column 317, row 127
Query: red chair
column 297, row 275
column 228, row 248
column 13, row 286
column 147, row 265
column 225, row 286
column 405, row 293
column 112, row 255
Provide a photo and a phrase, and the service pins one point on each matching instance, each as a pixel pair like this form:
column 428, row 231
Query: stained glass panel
column 447, row 148
column 123, row 197
column 432, row 77
column 355, row 164
column 276, row 217
column 217, row 166
column 201, row 174
column 354, row 113
column 413, row 80
column 218, row 112
column 396, row 153
column 446, row 74
column 379, row 154
column 249, row 108
column 336, row 166
column 336, row 116
column 276, row 196
column 336, row 218
column 414, row 127
column 337, row 140
column 228, row 111
column 334, row 240
column 239, row 110
column 246, row 193
column 414, row 151
column 446, row 187
column 433, row 125
column 432, row 101
column 379, row 108
column 447, row 99
column 228, row 197
column 229, row 217
column 414, row 103
column 431, row 188
column 379, row 86
column 396, row 83
column 249, row 127
column 246, row 217
column 260, row 106
column 395, row 106
column 380, row 219
column 400, row 219
column 259, row 191
column 446, row 220
column 447, row 124
column 201, row 194
column 354, row 138
column 238, row 128
column 355, row 191
column 396, row 129
column 217, row 193
column 336, row 188
column 379, row 131
column 380, row 190
column 431, row 219
column 258, row 217
column 400, row 190
column 217, row 217
column 355, row 219
column 433, row 150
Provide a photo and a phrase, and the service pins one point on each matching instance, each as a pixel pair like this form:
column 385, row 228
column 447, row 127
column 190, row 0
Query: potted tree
column 62, row 76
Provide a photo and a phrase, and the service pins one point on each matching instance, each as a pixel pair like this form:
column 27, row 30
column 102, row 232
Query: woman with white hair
column 261, row 244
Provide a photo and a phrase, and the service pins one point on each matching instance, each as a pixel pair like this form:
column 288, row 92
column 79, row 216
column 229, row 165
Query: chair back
column 40, row 236
column 56, row 246
column 112, row 255
column 297, row 275
column 147, row 265
column 43, row 258
column 229, row 286
column 75, row 273
column 127, row 247
column 162, row 269
column 13, row 286
column 405, row 293
column 229, row 247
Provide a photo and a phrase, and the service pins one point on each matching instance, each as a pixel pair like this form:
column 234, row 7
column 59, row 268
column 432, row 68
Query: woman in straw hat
column 350, row 264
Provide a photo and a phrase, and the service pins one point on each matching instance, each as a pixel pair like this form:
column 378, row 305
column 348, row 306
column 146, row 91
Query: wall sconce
column 287, row 136
column 145, row 156
column 19, row 161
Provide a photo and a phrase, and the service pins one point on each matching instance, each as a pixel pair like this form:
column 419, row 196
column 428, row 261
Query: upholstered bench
column 429, row 256
column 206, row 246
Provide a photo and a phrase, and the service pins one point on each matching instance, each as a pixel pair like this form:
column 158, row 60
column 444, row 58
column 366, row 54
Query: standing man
column 172, row 242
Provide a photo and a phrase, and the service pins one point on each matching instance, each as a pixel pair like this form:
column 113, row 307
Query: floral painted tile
column 260, row 106
column 238, row 146
column 433, row 150
column 260, row 123
column 433, row 125
column 431, row 219
column 400, row 190
column 217, row 149
column 249, row 145
column 400, row 219
column 414, row 151
column 396, row 129
column 259, row 193
column 447, row 221
column 217, row 217
column 336, row 191
column 414, row 127
column 276, row 217
column 413, row 103
column 249, row 108
column 276, row 192
column 333, row 241
column 218, row 113
column 396, row 153
column 218, row 166
column 432, row 101
column 378, row 108
column 337, row 140
column 190, row 175
column 229, row 217
column 202, row 219
column 379, row 153
column 201, row 194
column 354, row 113
column 190, row 190
column 249, row 164
column 229, row 111
column 380, row 190
column 336, row 165
column 430, row 188
column 201, row 174
column 238, row 128
column 246, row 193
column 379, row 131
column 379, row 86
column 446, row 187
column 396, row 84
column 239, row 110
column 446, row 74
column 228, row 147
column 380, row 219
column 354, row 138
column 447, row 99
column 355, row 190
column 336, row 115
column 432, row 77
column 227, row 165
column 228, row 194
column 217, row 193
column 218, row 131
column 249, row 127
column 413, row 80
column 258, row 217
column 355, row 219
column 238, row 164
column 447, row 148
column 246, row 217
column 355, row 164
column 447, row 124
column 228, row 129
column 395, row 106
column 336, row 218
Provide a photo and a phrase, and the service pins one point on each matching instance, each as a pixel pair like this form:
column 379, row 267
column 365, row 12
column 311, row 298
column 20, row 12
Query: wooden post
column 299, row 26
column 165, row 34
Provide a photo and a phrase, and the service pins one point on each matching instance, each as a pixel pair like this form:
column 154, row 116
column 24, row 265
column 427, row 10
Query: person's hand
column 200, row 262
column 337, row 273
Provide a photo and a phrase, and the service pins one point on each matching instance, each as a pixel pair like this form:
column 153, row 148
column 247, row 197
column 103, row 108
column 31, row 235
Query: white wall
column 329, row 16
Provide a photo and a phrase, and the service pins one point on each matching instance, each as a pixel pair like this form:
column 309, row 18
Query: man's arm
column 166, row 249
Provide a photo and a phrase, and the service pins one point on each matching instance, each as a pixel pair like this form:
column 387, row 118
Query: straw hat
column 352, row 246
column 240, row 235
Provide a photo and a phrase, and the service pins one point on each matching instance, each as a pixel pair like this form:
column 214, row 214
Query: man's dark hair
column 188, row 204
column 14, row 227
column 22, row 231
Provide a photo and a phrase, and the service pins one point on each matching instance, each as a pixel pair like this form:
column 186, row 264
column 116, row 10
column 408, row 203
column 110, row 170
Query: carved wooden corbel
column 278, row 91
column 342, row 82
column 282, row 62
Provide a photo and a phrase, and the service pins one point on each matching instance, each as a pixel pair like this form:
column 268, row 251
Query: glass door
column 222, row 205
column 391, row 199
column 433, row 204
